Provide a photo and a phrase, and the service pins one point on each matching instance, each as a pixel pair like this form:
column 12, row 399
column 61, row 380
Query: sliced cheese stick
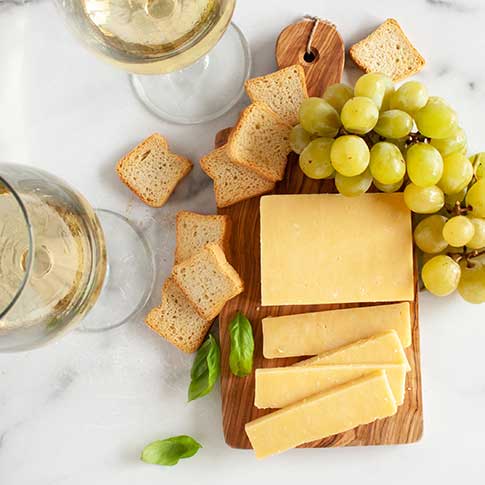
column 315, row 333
column 282, row 386
column 383, row 348
column 342, row 408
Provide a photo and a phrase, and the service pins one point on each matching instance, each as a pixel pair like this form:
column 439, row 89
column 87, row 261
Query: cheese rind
column 383, row 348
column 335, row 411
column 327, row 248
column 282, row 386
column 315, row 333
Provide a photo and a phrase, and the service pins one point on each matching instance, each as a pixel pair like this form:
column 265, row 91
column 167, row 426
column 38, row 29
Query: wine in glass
column 59, row 257
column 188, row 62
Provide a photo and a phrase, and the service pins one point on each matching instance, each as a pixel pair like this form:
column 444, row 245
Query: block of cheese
column 282, row 386
column 327, row 248
column 318, row 332
column 383, row 348
column 335, row 411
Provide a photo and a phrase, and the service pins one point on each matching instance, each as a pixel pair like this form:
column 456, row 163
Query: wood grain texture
column 327, row 47
column 238, row 393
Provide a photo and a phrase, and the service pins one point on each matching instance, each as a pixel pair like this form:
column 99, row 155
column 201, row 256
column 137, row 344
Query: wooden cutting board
column 238, row 393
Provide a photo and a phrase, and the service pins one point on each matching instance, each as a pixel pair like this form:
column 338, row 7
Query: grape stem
column 372, row 137
column 467, row 256
column 458, row 210
column 416, row 137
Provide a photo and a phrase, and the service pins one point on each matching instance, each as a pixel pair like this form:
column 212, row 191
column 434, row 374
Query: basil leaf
column 168, row 452
column 242, row 346
column 205, row 369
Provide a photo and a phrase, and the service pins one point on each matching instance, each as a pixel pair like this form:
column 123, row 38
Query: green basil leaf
column 168, row 452
column 205, row 369
column 242, row 346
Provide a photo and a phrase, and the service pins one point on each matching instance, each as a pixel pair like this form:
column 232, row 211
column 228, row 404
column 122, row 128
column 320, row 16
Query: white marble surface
column 79, row 411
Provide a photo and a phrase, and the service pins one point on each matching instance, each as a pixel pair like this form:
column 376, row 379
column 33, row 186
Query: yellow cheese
column 315, row 333
column 327, row 248
column 282, row 386
column 383, row 348
column 339, row 409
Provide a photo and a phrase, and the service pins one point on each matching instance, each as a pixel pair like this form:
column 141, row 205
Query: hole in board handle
column 311, row 57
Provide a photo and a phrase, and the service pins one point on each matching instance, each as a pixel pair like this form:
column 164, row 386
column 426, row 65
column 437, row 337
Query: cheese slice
column 384, row 348
column 282, row 386
column 335, row 411
column 315, row 333
column 327, row 248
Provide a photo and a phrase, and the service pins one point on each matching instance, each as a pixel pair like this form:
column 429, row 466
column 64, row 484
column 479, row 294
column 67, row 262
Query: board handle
column 316, row 45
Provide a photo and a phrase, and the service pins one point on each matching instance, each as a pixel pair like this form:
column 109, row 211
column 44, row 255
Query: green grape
column 299, row 139
column 337, row 95
column 424, row 200
column 389, row 91
column 386, row 163
column 441, row 275
column 424, row 164
column 375, row 86
column 457, row 173
column 359, row 115
column 350, row 155
column 439, row 100
column 428, row 234
column 436, row 119
column 319, row 118
column 456, row 143
column 478, row 162
column 315, row 159
column 472, row 284
column 452, row 199
column 458, row 231
column 475, row 198
column 388, row 188
column 353, row 186
column 394, row 124
column 401, row 143
column 371, row 86
column 410, row 97
column 478, row 239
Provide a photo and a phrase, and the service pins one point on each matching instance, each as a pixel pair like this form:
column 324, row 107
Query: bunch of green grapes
column 404, row 139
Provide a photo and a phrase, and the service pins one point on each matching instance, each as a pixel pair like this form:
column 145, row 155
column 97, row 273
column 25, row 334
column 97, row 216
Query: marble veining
column 64, row 382
column 461, row 7
column 443, row 71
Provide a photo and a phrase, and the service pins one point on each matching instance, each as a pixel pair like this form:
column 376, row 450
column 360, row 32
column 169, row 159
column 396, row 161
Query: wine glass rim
column 228, row 14
column 28, row 266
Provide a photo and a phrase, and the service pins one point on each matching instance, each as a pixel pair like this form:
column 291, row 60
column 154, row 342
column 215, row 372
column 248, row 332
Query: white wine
column 63, row 275
column 151, row 36
column 151, row 27
column 55, row 265
column 188, row 63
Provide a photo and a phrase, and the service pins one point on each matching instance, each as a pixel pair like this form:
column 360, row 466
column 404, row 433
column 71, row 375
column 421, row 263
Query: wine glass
column 188, row 62
column 58, row 257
